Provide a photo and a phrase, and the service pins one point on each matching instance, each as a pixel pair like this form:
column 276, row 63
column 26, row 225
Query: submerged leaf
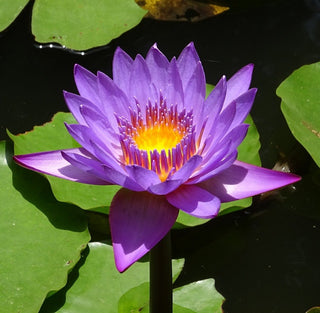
column 180, row 10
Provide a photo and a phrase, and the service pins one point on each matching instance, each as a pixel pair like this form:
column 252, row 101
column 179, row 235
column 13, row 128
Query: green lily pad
column 9, row 10
column 197, row 297
column 99, row 285
column 301, row 107
column 54, row 136
column 85, row 24
column 200, row 296
column 41, row 239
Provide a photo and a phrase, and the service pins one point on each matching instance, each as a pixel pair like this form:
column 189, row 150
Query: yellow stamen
column 158, row 138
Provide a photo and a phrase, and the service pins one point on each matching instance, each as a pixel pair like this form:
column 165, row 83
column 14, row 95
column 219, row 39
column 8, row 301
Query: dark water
column 265, row 259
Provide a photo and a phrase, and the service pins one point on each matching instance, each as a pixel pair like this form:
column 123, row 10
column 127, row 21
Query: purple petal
column 195, row 92
column 187, row 62
column 174, row 90
column 238, row 83
column 113, row 99
column 243, row 106
column 158, row 66
column 215, row 168
column 234, row 137
column 138, row 221
column 87, row 84
column 212, row 107
column 242, row 180
column 100, row 126
column 140, row 86
column 187, row 169
column 221, row 127
column 117, row 178
column 88, row 140
column 195, row 201
column 74, row 103
column 94, row 167
column 53, row 163
column 121, row 69
column 165, row 187
column 144, row 177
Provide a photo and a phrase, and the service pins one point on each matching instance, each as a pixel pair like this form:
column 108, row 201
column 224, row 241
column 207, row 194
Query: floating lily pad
column 200, row 296
column 99, row 285
column 41, row 238
column 85, row 24
column 301, row 107
column 197, row 297
column 9, row 10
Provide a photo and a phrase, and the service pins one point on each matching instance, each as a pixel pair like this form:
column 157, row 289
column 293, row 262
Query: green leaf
column 99, row 285
column 200, row 297
column 54, row 136
column 84, row 24
column 301, row 107
column 41, row 239
column 197, row 297
column 135, row 300
column 9, row 10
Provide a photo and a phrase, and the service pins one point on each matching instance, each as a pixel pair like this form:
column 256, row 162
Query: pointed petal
column 144, row 177
column 102, row 128
column 242, row 180
column 212, row 108
column 174, row 90
column 140, row 86
column 138, row 221
column 87, row 84
column 187, row 62
column 90, row 141
column 114, row 100
column 121, row 69
column 195, row 201
column 92, row 166
column 158, row 66
column 195, row 92
column 74, row 103
column 238, row 83
column 53, row 163
column 243, row 106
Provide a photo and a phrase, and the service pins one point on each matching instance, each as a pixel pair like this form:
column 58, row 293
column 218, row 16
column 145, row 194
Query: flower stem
column 161, row 277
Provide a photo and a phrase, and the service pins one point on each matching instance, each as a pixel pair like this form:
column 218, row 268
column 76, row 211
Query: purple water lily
column 151, row 131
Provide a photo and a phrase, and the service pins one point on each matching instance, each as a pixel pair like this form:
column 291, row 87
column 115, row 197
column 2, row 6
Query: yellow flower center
column 158, row 138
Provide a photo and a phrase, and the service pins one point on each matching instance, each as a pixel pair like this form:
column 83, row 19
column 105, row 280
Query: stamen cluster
column 159, row 138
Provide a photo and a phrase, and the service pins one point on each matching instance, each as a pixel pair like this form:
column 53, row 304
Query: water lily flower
column 151, row 130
